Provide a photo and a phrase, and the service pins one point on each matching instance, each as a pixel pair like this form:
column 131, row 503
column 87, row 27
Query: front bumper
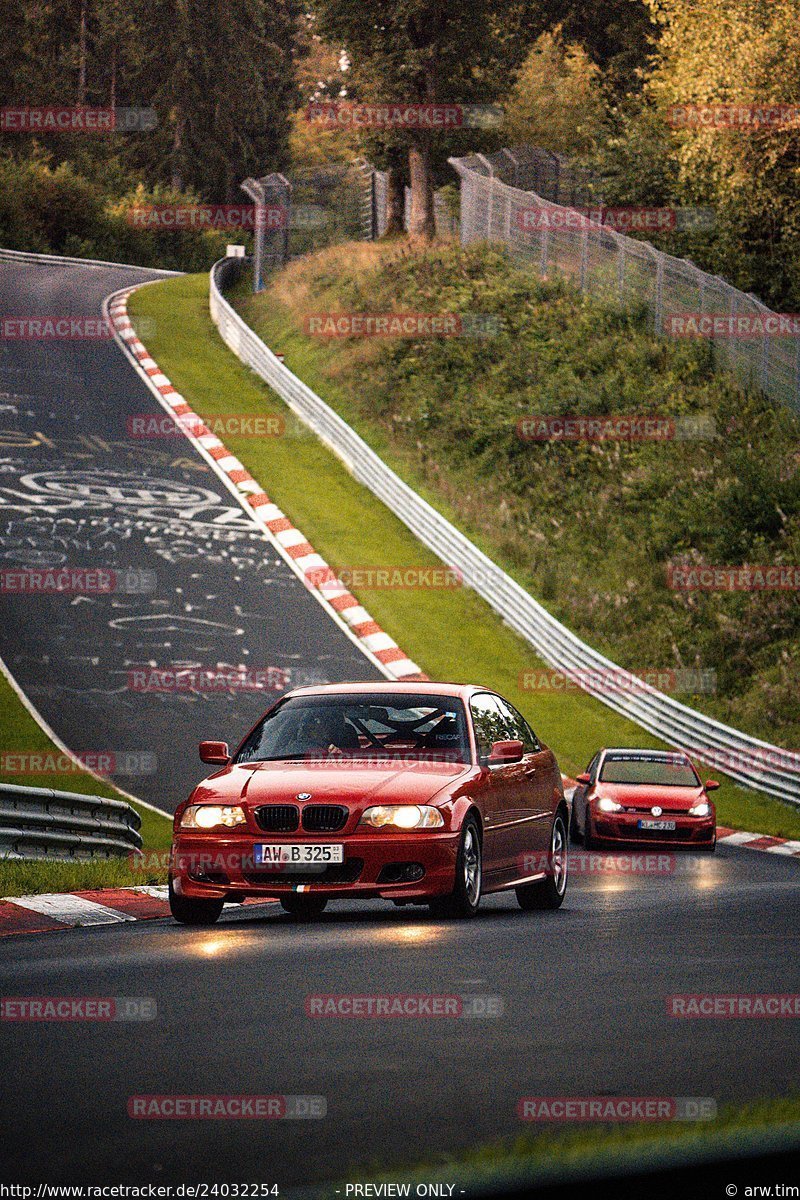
column 221, row 866
column 624, row 828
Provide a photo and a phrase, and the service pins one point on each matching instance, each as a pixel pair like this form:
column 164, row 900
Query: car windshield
column 376, row 726
column 662, row 772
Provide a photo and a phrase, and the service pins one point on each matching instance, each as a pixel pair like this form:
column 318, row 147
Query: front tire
column 574, row 832
column 305, row 908
column 590, row 842
column 465, row 897
column 549, row 892
column 187, row 911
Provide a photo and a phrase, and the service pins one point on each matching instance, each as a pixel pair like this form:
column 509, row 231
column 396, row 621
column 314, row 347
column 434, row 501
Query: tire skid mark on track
column 317, row 576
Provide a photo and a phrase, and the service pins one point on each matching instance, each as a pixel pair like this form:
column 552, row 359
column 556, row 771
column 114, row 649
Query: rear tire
column 187, row 911
column 549, row 892
column 465, row 897
column 305, row 908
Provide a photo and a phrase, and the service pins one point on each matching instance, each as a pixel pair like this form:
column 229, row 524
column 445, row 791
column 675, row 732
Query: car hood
column 352, row 783
column 647, row 795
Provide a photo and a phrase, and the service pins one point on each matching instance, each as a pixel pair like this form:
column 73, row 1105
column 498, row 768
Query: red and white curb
column 758, row 841
column 310, row 566
column 47, row 913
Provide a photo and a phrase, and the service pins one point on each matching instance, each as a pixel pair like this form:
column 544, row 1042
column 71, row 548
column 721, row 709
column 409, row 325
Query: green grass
column 451, row 633
column 588, row 528
column 21, row 733
column 552, row 1153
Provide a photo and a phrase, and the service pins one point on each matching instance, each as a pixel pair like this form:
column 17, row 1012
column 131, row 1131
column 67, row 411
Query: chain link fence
column 373, row 207
column 529, row 200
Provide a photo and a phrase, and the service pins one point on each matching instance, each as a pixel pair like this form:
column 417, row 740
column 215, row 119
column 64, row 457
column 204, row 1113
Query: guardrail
column 28, row 256
column 38, row 823
column 748, row 760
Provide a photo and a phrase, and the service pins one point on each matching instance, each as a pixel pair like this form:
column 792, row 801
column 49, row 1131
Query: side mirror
column 584, row 778
column 215, row 753
column 506, row 752
column 711, row 785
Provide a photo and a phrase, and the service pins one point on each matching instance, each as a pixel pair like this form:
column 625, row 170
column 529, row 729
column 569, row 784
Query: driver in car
column 324, row 732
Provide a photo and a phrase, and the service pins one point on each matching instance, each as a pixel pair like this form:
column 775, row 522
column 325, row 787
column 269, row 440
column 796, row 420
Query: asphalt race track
column 584, row 1014
column 77, row 490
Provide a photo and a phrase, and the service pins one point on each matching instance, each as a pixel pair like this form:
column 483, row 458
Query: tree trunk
column 177, row 155
column 395, row 202
column 421, row 223
column 82, row 57
column 113, row 95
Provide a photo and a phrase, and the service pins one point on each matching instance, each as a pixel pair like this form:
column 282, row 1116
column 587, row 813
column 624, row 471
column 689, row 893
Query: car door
column 494, row 790
column 532, row 799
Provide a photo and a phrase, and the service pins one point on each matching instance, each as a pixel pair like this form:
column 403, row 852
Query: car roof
column 400, row 687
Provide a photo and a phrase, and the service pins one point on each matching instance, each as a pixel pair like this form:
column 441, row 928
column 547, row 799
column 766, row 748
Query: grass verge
column 451, row 633
column 20, row 732
column 575, row 1152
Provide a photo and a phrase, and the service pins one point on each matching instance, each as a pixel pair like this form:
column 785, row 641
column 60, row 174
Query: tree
column 748, row 53
column 557, row 100
column 425, row 52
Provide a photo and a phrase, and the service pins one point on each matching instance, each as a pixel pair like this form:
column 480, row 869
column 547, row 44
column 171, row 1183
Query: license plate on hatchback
column 297, row 854
column 665, row 825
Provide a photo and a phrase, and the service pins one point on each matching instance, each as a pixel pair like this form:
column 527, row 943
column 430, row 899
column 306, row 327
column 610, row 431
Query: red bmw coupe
column 420, row 793
column 652, row 796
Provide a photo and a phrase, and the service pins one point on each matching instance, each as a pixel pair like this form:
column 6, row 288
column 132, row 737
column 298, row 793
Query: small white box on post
column 234, row 251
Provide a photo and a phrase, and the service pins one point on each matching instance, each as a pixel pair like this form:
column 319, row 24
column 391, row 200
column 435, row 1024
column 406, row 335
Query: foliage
column 748, row 52
column 55, row 210
column 557, row 100
column 590, row 527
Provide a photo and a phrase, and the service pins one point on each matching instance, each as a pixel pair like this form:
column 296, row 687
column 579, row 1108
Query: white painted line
column 157, row 891
column 740, row 838
column 64, row 748
column 70, row 910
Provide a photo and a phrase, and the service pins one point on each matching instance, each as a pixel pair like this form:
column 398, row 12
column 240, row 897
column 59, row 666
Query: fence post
column 373, row 204
column 659, row 297
column 255, row 190
column 515, row 162
column 584, row 256
column 620, row 267
column 490, row 212
column 545, row 247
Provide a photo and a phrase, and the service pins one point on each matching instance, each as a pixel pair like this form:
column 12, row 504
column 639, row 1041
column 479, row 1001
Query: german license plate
column 665, row 825
column 297, row 853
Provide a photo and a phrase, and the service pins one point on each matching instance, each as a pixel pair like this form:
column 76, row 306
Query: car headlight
column 403, row 816
column 208, row 816
column 702, row 809
column 606, row 804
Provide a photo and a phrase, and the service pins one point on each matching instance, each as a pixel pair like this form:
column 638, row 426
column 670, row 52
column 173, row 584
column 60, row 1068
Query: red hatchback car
column 420, row 793
column 652, row 796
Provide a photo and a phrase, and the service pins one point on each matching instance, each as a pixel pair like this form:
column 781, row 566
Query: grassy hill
column 589, row 527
